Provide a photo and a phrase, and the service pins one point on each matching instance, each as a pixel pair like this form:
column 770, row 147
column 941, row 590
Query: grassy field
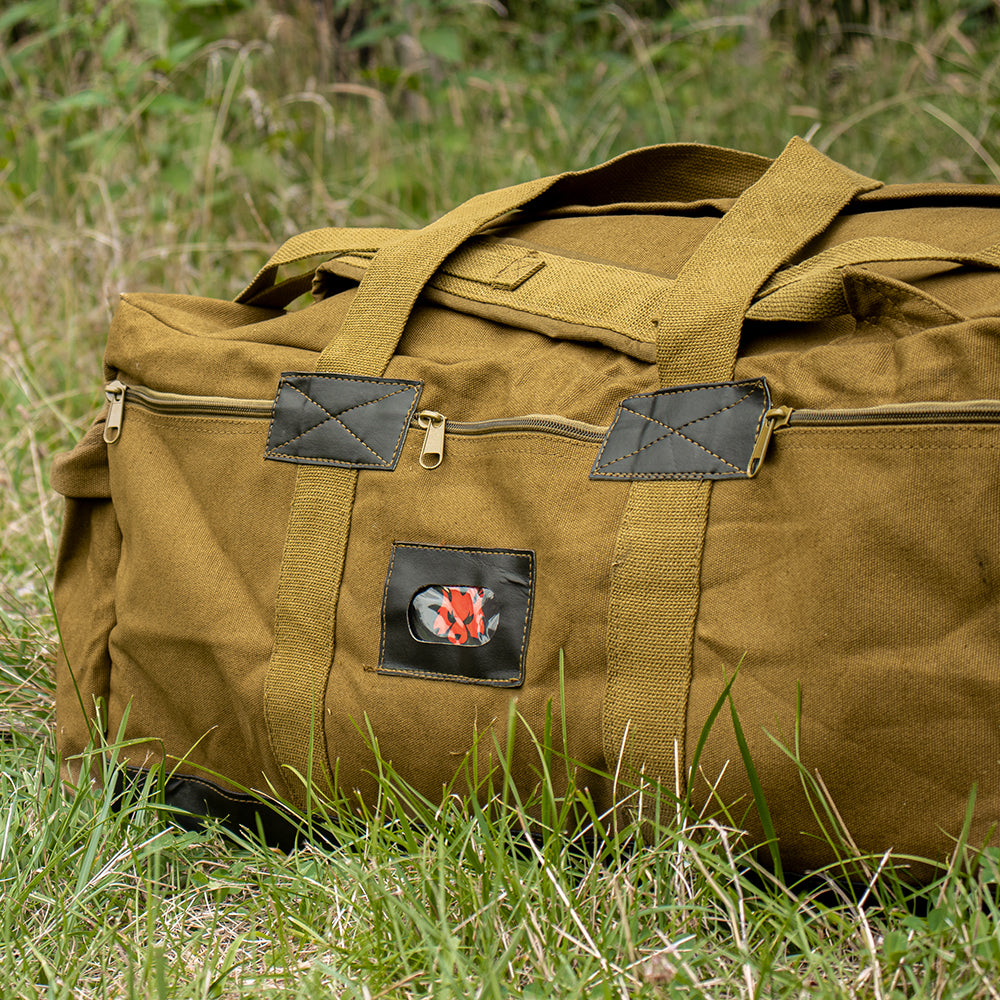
column 171, row 144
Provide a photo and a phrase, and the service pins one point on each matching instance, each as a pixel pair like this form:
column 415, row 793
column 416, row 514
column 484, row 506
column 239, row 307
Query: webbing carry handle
column 655, row 580
column 328, row 241
column 794, row 199
column 810, row 290
column 769, row 222
column 814, row 289
column 675, row 172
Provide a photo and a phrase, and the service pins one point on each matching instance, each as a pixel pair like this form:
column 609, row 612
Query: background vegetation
column 171, row 144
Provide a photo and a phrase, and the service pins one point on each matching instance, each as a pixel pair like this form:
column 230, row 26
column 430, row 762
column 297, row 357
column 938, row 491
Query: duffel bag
column 578, row 464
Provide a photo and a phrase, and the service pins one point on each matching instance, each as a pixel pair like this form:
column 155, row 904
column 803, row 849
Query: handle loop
column 682, row 172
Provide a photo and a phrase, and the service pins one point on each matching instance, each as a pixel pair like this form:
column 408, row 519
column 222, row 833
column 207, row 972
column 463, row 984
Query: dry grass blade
column 966, row 136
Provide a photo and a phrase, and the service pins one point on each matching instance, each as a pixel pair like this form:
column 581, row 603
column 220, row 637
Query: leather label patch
column 322, row 418
column 459, row 614
column 685, row 432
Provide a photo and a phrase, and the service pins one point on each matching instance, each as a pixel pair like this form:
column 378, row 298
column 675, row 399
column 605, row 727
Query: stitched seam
column 335, row 417
column 632, row 454
column 667, row 476
column 889, row 447
column 607, row 437
column 456, row 548
column 527, row 619
column 663, row 437
column 406, row 421
column 515, row 274
column 890, row 297
column 723, row 409
column 599, row 467
column 457, row 438
column 522, row 451
column 342, row 463
column 893, row 297
column 232, row 796
column 274, row 415
column 738, row 474
column 681, row 390
column 368, row 402
column 461, row 678
column 927, row 426
column 757, row 429
column 498, row 256
column 270, row 426
column 403, row 672
column 382, row 462
column 385, row 602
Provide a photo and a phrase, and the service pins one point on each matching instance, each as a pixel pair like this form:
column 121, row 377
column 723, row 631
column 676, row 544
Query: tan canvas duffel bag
column 583, row 449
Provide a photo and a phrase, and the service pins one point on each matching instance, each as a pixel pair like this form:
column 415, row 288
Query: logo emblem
column 462, row 616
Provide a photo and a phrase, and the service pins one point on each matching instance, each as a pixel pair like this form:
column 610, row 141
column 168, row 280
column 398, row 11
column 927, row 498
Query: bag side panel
column 858, row 573
column 819, row 586
column 83, row 591
column 202, row 518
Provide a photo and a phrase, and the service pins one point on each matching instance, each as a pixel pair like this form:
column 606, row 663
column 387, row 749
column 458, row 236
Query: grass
column 447, row 900
column 171, row 144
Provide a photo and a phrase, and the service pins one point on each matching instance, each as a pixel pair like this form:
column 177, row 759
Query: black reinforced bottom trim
column 197, row 799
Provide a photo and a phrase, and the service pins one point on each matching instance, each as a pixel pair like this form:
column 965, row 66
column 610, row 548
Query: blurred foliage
column 173, row 143
column 240, row 122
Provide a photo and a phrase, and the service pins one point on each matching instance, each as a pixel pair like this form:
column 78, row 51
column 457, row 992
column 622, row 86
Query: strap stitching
column 339, row 413
column 663, row 437
column 598, row 467
column 330, row 416
column 722, row 409
column 428, row 675
column 674, row 430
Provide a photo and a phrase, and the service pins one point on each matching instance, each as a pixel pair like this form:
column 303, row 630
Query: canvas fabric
column 232, row 615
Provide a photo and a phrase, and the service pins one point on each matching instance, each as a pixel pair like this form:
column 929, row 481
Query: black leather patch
column 685, row 432
column 459, row 614
column 341, row 420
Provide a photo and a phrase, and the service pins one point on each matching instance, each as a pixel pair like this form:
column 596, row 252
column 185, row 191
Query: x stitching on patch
column 336, row 417
column 677, row 431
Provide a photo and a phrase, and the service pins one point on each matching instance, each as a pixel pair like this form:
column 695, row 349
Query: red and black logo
column 463, row 616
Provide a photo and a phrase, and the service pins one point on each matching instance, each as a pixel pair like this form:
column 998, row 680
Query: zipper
column 979, row 411
column 986, row 411
column 435, row 425
column 174, row 403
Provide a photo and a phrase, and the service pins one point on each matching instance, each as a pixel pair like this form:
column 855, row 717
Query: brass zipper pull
column 115, row 393
column 432, row 450
column 776, row 417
